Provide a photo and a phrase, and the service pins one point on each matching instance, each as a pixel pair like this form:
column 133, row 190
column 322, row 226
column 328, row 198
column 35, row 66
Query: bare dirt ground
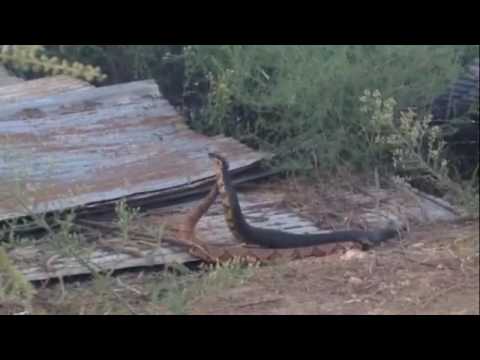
column 433, row 270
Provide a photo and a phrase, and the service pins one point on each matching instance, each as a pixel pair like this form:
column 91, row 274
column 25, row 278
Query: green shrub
column 302, row 101
column 416, row 149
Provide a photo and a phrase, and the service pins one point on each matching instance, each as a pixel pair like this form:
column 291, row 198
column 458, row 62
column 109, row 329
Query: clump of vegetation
column 415, row 148
column 125, row 217
column 301, row 102
column 123, row 63
column 26, row 58
column 13, row 285
column 179, row 287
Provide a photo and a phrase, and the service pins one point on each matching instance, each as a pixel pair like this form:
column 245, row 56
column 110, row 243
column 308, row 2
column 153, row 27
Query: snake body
column 276, row 239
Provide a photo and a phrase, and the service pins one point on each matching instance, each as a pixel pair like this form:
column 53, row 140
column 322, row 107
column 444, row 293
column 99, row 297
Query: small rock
column 417, row 245
column 351, row 301
column 355, row 280
column 353, row 254
column 22, row 313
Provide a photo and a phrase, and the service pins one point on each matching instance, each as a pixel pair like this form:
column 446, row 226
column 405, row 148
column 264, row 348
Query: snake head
column 219, row 160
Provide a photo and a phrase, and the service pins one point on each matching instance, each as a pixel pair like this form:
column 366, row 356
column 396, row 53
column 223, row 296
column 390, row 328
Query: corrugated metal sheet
column 260, row 208
column 26, row 90
column 90, row 146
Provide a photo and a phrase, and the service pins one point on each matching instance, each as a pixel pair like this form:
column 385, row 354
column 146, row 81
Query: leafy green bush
column 416, row 150
column 302, row 101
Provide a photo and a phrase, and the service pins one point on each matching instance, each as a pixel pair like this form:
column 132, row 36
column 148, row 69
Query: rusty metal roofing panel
column 27, row 90
column 77, row 102
column 83, row 148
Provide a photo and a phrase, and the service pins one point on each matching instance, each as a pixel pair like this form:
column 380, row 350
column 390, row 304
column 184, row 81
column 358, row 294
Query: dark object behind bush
column 457, row 111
